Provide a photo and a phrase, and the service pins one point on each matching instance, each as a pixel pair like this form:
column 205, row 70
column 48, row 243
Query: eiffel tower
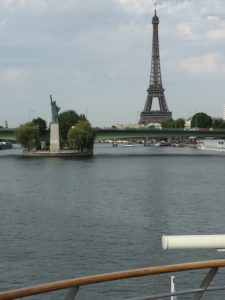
column 155, row 89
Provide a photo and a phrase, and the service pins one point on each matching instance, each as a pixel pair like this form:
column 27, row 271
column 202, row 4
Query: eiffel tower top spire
column 155, row 77
column 155, row 19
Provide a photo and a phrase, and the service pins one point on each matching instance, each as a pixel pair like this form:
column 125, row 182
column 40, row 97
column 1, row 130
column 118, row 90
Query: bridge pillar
column 114, row 143
column 146, row 142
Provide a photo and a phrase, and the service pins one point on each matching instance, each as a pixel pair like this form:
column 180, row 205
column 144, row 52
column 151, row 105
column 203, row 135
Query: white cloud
column 3, row 22
column 81, row 76
column 177, row 7
column 185, row 31
column 13, row 75
column 3, row 25
column 208, row 63
column 216, row 34
column 49, row 6
column 137, row 6
column 13, row 5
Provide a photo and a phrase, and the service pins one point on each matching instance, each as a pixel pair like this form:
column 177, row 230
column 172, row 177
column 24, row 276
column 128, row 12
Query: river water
column 63, row 218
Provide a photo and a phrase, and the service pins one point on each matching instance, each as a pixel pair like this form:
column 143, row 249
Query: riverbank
column 62, row 153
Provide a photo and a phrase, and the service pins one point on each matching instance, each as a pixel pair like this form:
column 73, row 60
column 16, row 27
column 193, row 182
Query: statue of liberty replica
column 54, row 127
column 55, row 111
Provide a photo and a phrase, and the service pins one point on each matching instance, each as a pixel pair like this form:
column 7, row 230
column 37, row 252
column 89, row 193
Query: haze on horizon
column 94, row 56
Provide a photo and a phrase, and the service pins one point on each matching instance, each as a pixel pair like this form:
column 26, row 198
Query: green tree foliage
column 28, row 135
column 171, row 123
column 81, row 136
column 179, row 123
column 168, row 123
column 67, row 119
column 201, row 120
column 41, row 125
column 218, row 123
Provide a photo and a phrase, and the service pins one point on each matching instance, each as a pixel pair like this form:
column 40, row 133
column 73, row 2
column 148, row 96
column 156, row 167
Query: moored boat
column 5, row 145
column 162, row 144
column 210, row 144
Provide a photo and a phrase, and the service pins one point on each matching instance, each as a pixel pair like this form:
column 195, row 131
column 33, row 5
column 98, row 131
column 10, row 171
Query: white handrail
column 214, row 241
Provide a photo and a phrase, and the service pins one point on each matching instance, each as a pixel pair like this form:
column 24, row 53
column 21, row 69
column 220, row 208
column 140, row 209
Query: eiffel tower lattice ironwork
column 155, row 89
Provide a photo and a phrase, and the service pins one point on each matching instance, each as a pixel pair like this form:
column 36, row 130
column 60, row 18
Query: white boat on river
column 210, row 144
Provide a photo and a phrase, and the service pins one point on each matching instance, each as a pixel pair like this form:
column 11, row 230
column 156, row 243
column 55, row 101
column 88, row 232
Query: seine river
column 63, row 218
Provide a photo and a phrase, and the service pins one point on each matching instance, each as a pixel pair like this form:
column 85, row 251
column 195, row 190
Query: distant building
column 125, row 126
column 129, row 126
column 154, row 125
column 187, row 124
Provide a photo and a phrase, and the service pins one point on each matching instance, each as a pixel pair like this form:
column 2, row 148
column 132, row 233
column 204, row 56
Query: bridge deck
column 104, row 134
column 156, row 133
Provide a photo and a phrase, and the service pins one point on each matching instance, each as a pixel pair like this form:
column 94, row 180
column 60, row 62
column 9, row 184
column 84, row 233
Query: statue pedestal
column 54, row 138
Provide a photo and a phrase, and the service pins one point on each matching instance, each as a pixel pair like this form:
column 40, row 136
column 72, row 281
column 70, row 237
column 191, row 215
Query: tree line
column 75, row 132
column 199, row 120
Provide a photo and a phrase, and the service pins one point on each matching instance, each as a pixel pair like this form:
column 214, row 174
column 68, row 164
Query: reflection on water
column 63, row 218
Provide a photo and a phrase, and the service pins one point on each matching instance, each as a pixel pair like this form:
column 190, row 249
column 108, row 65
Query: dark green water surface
column 63, row 218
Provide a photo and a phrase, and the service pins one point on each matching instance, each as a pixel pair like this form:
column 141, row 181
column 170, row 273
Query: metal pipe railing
column 75, row 283
column 180, row 293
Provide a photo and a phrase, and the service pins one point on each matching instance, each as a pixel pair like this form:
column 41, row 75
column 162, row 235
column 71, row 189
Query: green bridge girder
column 109, row 134
column 7, row 134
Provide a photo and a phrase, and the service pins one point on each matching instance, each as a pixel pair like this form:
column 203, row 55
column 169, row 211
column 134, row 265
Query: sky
column 94, row 57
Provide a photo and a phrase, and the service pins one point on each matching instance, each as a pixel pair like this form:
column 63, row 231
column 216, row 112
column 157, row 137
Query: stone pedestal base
column 54, row 138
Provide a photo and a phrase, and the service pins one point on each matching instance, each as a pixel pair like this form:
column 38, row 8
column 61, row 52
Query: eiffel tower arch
column 155, row 89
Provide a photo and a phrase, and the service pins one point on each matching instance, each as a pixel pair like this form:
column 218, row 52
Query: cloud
column 185, row 31
column 13, row 5
column 106, row 44
column 81, row 76
column 13, row 75
column 217, row 34
column 137, row 6
column 208, row 63
column 51, row 6
column 3, row 22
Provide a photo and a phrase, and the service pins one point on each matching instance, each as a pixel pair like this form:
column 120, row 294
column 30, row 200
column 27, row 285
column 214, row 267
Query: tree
column 179, row 123
column 81, row 136
column 168, row 123
column 67, row 119
column 28, row 135
column 41, row 125
column 201, row 120
column 218, row 123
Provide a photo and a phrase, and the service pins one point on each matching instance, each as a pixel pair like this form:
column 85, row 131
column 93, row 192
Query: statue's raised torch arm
column 55, row 111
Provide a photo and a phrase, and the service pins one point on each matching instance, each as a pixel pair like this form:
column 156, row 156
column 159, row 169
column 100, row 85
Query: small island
column 69, row 135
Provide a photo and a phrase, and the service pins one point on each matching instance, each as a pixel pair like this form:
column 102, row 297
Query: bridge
column 7, row 134
column 140, row 133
